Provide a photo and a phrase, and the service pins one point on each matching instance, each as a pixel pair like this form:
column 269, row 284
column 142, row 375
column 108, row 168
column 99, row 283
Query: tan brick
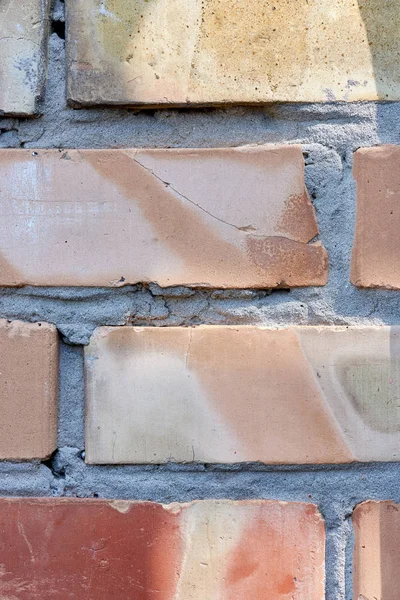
column 237, row 217
column 376, row 251
column 376, row 551
column 226, row 51
column 23, row 53
column 28, row 390
column 231, row 394
column 81, row 549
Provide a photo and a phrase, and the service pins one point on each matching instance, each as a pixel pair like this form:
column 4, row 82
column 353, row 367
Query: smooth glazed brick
column 232, row 394
column 376, row 551
column 23, row 54
column 238, row 217
column 376, row 251
column 28, row 390
column 121, row 550
column 231, row 51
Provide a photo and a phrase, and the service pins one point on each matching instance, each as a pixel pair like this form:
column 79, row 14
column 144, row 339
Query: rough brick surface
column 224, row 51
column 23, row 51
column 376, row 252
column 214, row 218
column 63, row 548
column 226, row 394
column 28, row 390
column 376, row 551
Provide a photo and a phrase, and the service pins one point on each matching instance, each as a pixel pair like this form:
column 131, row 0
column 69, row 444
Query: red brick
column 23, row 54
column 169, row 52
column 28, row 389
column 376, row 551
column 120, row 550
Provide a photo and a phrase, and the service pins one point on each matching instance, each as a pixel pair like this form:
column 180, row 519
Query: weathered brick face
column 210, row 218
column 23, row 54
column 67, row 548
column 226, row 395
column 227, row 51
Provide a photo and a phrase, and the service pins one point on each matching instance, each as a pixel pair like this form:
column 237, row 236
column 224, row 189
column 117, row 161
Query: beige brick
column 226, row 51
column 376, row 251
column 236, row 217
column 215, row 549
column 231, row 394
column 23, row 52
column 28, row 390
column 376, row 551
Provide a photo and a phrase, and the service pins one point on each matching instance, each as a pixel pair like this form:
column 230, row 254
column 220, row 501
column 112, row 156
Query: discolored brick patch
column 23, row 54
column 233, row 217
column 70, row 548
column 232, row 394
column 231, row 51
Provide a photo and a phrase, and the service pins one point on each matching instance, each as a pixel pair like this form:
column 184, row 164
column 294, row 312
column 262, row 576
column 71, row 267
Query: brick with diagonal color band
column 238, row 394
column 233, row 217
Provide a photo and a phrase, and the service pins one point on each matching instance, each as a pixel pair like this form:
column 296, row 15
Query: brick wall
column 199, row 304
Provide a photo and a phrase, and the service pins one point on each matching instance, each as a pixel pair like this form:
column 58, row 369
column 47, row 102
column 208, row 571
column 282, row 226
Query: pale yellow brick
column 174, row 52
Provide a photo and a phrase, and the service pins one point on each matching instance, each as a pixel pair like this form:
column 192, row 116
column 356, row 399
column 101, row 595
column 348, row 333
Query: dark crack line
column 168, row 185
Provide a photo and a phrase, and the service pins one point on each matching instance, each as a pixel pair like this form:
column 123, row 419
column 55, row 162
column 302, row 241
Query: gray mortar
column 329, row 133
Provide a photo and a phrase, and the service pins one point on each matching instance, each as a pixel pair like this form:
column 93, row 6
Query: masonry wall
column 329, row 134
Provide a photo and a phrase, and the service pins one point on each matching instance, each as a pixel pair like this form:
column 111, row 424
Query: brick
column 23, row 54
column 376, row 250
column 231, row 51
column 28, row 390
column 236, row 217
column 231, row 394
column 376, row 550
column 69, row 548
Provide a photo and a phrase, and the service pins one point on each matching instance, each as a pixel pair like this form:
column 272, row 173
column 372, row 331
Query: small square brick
column 376, row 551
column 231, row 51
column 238, row 394
column 24, row 29
column 121, row 550
column 28, row 390
column 376, row 251
column 234, row 217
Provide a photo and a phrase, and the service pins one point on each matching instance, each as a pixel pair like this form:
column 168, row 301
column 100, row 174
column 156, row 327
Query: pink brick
column 376, row 551
column 237, row 217
column 121, row 550
column 232, row 394
column 28, row 389
column 376, row 251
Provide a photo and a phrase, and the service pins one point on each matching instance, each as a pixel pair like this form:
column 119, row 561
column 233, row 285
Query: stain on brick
column 203, row 218
column 69, row 548
column 28, row 390
column 233, row 394
column 151, row 53
column 23, row 55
